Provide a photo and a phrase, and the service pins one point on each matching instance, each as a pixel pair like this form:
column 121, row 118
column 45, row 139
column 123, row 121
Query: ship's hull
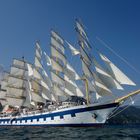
column 83, row 115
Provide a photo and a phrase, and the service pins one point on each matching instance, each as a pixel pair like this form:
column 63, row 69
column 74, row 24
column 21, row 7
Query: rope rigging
column 113, row 51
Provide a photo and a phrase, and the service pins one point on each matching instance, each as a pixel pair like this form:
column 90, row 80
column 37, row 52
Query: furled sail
column 116, row 72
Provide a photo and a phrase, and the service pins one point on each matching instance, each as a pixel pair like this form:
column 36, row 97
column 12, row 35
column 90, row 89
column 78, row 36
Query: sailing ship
column 30, row 95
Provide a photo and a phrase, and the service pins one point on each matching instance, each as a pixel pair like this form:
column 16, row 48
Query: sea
column 106, row 132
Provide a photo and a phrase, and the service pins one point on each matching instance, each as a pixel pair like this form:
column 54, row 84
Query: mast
column 62, row 73
column 102, row 79
column 58, row 62
column 40, row 86
column 93, row 83
column 83, row 55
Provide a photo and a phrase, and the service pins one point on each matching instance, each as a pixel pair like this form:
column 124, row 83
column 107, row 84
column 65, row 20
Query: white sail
column 94, row 82
column 15, row 82
column 58, row 91
column 55, row 53
column 86, row 70
column 35, row 91
column 3, row 84
column 100, row 88
column 71, row 73
column 37, row 98
column 28, row 103
column 72, row 88
column 38, row 55
column 4, row 81
column 35, row 86
column 15, row 101
column 91, row 87
column 38, row 63
column 36, row 74
column 73, row 50
column 86, row 43
column 48, row 59
column 38, row 51
column 46, row 78
column 53, row 98
column 56, row 66
column 58, row 45
column 70, row 93
column 16, row 92
column 85, row 56
column 57, row 79
column 97, row 96
column 3, row 100
column 30, row 70
column 44, row 85
column 18, row 63
column 107, row 79
column 57, row 37
column 81, row 29
column 98, row 85
column 46, row 93
column 3, row 88
column 17, row 72
column 116, row 72
column 45, row 96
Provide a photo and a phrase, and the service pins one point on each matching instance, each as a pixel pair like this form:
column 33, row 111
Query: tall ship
column 52, row 92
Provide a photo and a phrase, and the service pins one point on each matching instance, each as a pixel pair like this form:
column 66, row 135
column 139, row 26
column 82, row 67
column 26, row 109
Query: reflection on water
column 109, row 132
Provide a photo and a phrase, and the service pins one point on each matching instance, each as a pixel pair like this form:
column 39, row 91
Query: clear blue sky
column 117, row 22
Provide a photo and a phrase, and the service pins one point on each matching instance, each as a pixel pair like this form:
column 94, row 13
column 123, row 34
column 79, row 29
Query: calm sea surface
column 111, row 132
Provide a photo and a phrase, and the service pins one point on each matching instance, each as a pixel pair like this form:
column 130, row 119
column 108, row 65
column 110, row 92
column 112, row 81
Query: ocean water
column 109, row 132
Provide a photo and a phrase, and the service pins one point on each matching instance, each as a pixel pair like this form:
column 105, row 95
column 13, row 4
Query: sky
column 116, row 22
